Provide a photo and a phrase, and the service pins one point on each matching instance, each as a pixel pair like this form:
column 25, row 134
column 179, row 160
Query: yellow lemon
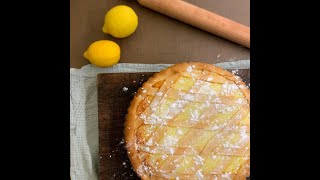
column 103, row 53
column 120, row 21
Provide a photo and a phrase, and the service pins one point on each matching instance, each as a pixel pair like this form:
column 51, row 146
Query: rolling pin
column 201, row 18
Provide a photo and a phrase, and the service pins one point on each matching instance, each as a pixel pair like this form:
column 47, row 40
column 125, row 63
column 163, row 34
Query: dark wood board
column 113, row 102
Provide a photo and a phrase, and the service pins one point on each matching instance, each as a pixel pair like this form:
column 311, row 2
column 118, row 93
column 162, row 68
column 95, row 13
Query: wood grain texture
column 113, row 103
column 202, row 19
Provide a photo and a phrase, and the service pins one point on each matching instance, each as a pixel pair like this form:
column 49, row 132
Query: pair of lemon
column 120, row 22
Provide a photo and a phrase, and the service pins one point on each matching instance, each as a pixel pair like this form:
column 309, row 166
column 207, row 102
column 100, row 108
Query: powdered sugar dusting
column 171, row 150
column 178, row 104
column 159, row 93
column 228, row 89
column 203, row 108
column 243, row 135
column 240, row 101
column 194, row 116
column 164, row 156
column 206, row 88
column 242, row 86
column 226, row 176
column 179, row 132
column 189, row 69
column 170, row 140
column 189, row 97
column 199, row 160
column 149, row 142
column 199, row 174
column 216, row 127
column 227, row 109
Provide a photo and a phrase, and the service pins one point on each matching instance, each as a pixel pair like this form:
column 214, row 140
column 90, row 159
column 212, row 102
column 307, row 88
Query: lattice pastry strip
column 190, row 121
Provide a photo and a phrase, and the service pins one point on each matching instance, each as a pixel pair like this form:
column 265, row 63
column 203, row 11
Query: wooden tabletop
column 158, row 38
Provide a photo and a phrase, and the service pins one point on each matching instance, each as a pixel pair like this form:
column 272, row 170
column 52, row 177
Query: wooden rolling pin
column 202, row 19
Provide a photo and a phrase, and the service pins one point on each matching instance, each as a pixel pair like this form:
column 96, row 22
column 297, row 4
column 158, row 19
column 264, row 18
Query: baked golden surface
column 190, row 121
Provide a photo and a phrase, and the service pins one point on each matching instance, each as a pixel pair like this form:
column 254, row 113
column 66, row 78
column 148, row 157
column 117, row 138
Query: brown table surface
column 158, row 38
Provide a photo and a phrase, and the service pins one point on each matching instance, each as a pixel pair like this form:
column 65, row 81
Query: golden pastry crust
column 159, row 87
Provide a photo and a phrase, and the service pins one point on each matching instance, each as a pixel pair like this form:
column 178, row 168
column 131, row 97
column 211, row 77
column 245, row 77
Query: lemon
column 120, row 21
column 103, row 53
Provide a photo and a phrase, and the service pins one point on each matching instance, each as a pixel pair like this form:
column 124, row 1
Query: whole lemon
column 103, row 53
column 120, row 21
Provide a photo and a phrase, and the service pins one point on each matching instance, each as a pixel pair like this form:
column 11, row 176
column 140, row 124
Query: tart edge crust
column 162, row 75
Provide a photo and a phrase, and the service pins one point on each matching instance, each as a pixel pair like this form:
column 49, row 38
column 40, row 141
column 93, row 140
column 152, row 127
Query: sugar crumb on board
column 122, row 141
column 235, row 71
column 124, row 89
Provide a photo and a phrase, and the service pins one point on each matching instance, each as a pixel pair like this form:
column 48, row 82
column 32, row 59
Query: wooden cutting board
column 115, row 91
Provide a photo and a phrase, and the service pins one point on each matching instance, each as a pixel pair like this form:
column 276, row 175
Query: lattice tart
column 190, row 121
